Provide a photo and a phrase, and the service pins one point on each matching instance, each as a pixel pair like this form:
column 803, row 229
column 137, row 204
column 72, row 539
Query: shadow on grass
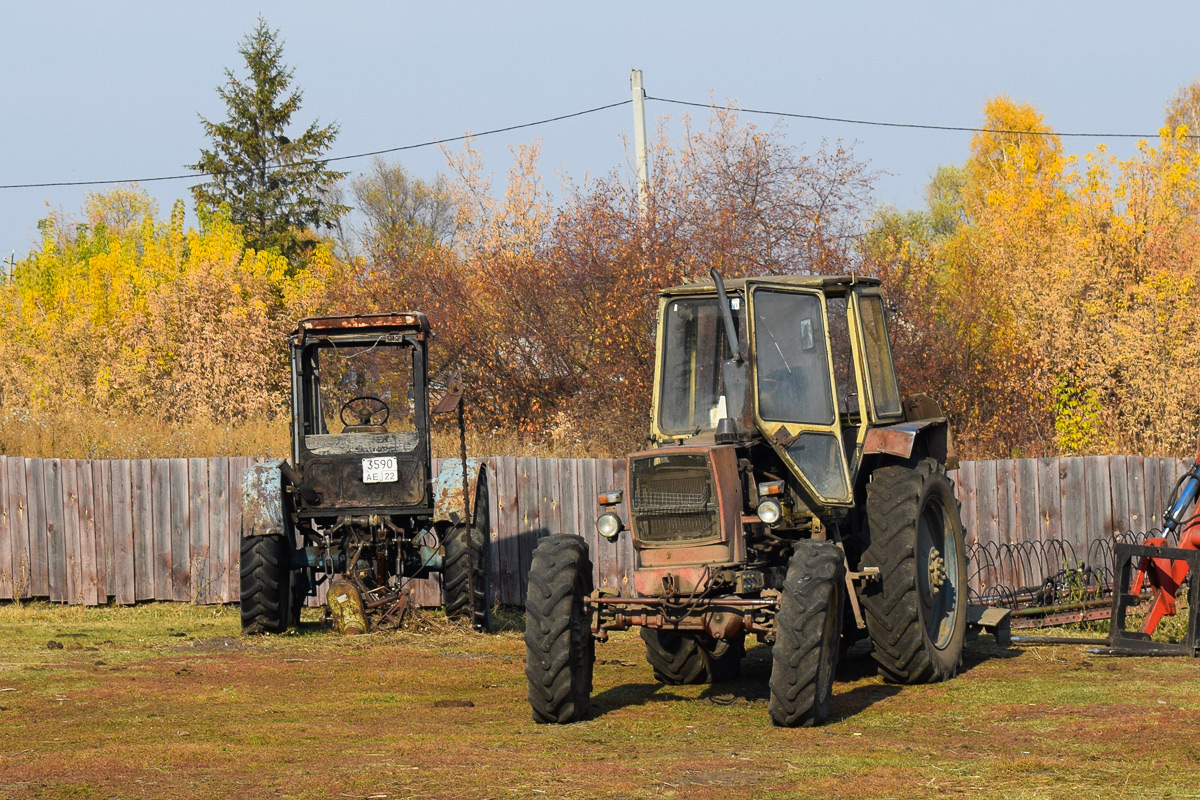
column 751, row 687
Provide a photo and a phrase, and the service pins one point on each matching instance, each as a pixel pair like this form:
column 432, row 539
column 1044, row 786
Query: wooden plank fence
column 93, row 532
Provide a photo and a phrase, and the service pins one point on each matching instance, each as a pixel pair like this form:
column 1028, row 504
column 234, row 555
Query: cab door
column 795, row 401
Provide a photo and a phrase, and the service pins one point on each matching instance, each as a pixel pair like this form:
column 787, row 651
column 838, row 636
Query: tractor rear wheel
column 692, row 658
column 917, row 612
column 465, row 577
column 808, row 629
column 559, row 649
column 266, row 588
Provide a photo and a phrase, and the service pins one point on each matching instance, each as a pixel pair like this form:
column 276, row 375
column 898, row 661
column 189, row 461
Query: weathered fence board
column 37, row 571
column 508, row 520
column 7, row 564
column 169, row 529
column 54, row 512
column 124, row 584
column 142, row 517
column 90, row 582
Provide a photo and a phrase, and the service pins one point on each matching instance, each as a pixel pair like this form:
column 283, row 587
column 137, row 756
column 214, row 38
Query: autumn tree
column 273, row 179
column 402, row 212
column 1183, row 109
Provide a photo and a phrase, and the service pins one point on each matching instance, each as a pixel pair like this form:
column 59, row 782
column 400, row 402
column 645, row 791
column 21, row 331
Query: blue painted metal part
column 430, row 558
column 262, row 501
column 1187, row 496
column 448, row 489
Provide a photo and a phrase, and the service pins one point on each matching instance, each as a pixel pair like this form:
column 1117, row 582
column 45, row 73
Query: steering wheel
column 366, row 408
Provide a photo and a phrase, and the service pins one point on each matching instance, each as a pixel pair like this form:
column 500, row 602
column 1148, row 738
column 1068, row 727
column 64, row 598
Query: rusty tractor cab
column 790, row 492
column 357, row 505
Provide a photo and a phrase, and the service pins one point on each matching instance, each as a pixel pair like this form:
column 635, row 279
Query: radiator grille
column 674, row 500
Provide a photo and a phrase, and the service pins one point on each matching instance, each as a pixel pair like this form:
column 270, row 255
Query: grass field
column 168, row 701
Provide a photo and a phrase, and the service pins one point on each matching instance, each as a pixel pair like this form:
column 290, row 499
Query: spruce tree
column 276, row 185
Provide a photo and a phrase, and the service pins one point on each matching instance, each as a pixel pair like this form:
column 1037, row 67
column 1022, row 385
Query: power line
column 548, row 120
column 908, row 124
column 431, row 143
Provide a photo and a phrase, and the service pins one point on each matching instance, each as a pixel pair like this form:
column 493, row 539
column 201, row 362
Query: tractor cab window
column 364, row 389
column 884, row 390
column 792, row 358
column 694, row 348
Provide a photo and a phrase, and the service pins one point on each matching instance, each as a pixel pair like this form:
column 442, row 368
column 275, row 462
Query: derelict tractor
column 358, row 505
column 790, row 492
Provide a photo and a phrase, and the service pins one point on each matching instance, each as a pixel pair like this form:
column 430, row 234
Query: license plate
column 381, row 469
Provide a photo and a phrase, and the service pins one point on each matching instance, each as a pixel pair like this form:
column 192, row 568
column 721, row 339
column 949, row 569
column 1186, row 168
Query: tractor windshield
column 693, row 348
column 792, row 358
column 363, row 388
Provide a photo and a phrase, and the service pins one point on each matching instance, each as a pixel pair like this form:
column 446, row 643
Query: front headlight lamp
column 770, row 511
column 609, row 526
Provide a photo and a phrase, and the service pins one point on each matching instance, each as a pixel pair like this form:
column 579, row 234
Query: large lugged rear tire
column 465, row 577
column 692, row 658
column 266, row 596
column 559, row 649
column 917, row 612
column 808, row 629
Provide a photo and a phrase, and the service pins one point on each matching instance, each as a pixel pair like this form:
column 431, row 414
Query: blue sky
column 96, row 91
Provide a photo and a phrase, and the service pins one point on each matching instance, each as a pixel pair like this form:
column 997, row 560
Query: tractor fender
column 262, row 501
column 916, row 437
column 448, row 489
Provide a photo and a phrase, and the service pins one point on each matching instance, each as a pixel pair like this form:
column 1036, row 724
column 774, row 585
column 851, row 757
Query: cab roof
column 366, row 324
column 826, row 283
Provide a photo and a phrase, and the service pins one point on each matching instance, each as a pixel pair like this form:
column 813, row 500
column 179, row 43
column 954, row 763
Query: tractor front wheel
column 266, row 588
column 559, row 649
column 808, row 629
column 465, row 577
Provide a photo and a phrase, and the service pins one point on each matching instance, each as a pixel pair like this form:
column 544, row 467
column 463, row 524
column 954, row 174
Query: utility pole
column 639, row 141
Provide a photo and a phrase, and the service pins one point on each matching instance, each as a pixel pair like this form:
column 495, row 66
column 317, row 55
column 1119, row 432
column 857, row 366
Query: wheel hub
column 937, row 569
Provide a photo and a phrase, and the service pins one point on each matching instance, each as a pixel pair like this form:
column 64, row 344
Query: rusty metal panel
column 262, row 501
column 448, row 487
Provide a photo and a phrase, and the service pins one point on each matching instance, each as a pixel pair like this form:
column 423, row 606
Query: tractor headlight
column 609, row 526
column 769, row 511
